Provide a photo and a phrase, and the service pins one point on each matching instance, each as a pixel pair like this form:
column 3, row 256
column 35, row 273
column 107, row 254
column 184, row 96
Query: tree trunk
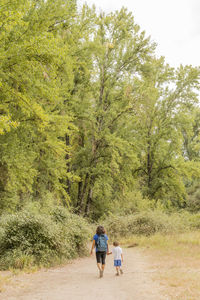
column 149, row 159
column 80, row 203
column 67, row 165
column 149, row 166
column 89, row 196
column 88, row 202
column 80, row 185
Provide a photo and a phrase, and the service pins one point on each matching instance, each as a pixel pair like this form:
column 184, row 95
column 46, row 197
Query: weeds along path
column 79, row 281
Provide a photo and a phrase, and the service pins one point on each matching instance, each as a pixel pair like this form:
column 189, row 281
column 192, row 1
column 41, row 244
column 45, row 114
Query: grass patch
column 4, row 279
column 181, row 285
column 177, row 261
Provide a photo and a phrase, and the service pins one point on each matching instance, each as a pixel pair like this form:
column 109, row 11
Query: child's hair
column 100, row 230
column 115, row 243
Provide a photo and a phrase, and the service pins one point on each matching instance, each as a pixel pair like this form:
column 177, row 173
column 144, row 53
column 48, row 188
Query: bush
column 16, row 259
column 75, row 230
column 194, row 221
column 31, row 239
column 133, row 202
column 116, row 226
column 29, row 235
column 146, row 223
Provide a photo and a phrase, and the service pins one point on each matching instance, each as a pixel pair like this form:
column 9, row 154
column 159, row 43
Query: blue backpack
column 101, row 244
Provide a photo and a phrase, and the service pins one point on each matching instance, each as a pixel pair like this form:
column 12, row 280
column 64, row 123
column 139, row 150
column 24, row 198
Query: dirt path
column 79, row 280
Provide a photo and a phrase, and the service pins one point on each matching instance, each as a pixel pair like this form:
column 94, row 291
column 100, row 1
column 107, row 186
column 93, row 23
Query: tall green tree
column 118, row 51
column 165, row 98
column 33, row 153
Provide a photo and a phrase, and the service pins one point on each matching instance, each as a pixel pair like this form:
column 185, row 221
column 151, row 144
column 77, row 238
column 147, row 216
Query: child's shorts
column 117, row 262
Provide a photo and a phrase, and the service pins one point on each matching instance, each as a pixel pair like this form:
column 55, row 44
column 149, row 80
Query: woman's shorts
column 101, row 257
column 117, row 262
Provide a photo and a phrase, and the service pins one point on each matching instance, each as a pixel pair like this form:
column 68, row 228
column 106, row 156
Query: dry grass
column 4, row 279
column 176, row 262
column 7, row 278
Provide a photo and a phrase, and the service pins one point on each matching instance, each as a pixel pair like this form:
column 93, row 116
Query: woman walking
column 100, row 242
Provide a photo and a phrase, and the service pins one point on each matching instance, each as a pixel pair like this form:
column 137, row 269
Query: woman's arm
column 108, row 249
column 93, row 245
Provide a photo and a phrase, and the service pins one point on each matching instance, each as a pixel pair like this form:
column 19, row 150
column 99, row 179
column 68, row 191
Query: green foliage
column 32, row 123
column 103, row 150
column 75, row 229
column 193, row 198
column 32, row 235
column 16, row 259
column 90, row 118
column 133, row 202
column 29, row 239
column 194, row 221
column 165, row 103
column 148, row 223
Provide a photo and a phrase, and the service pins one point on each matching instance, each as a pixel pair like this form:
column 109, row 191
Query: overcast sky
column 173, row 24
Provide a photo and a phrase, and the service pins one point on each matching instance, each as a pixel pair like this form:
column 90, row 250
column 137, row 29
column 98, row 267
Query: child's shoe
column 121, row 271
column 117, row 274
column 101, row 274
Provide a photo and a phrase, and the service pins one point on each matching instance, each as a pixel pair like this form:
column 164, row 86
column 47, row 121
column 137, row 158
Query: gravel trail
column 79, row 281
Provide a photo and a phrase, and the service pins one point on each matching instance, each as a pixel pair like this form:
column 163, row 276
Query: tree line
column 89, row 115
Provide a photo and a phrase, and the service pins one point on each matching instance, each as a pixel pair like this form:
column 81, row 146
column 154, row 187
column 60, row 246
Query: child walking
column 118, row 257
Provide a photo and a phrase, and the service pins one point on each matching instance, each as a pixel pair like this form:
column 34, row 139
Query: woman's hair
column 115, row 243
column 100, row 230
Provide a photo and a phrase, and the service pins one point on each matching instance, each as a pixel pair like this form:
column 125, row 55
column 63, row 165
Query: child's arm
column 93, row 245
column 122, row 257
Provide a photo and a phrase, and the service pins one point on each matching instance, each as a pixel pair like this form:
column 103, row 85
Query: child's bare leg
column 99, row 266
column 103, row 267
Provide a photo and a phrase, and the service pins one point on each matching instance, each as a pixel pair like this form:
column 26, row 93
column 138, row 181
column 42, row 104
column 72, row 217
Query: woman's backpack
column 101, row 244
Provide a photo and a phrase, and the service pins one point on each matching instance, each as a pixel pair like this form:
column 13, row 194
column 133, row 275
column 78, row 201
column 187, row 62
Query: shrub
column 194, row 221
column 16, row 259
column 146, row 223
column 60, row 214
column 116, row 226
column 32, row 239
column 75, row 230
column 30, row 235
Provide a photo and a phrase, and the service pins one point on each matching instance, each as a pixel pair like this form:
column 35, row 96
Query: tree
column 165, row 100
column 118, row 51
column 33, row 151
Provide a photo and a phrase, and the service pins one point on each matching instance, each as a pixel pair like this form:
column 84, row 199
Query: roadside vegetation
column 148, row 223
column 41, row 239
column 171, row 241
column 175, row 260
column 172, row 244
column 89, row 115
column 94, row 127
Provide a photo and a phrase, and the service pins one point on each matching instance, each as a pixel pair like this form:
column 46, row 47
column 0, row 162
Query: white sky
column 173, row 24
